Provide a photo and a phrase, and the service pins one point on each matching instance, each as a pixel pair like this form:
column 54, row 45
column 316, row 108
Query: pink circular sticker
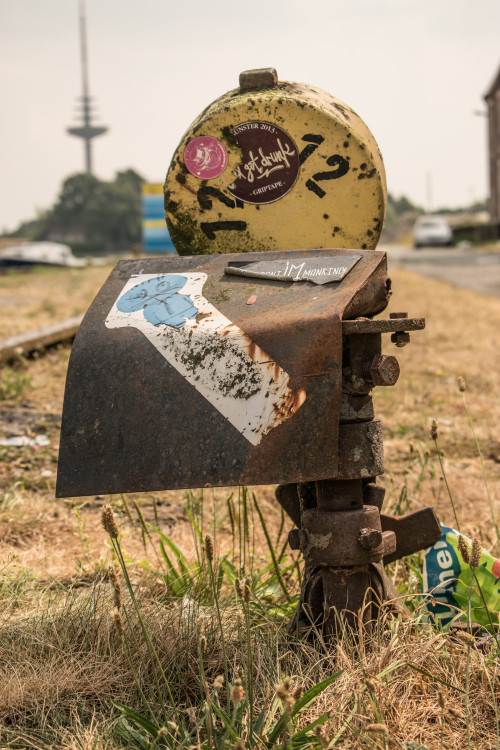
column 205, row 157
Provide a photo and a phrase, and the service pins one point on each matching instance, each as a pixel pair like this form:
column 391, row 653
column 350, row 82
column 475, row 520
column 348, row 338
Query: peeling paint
column 308, row 541
column 234, row 374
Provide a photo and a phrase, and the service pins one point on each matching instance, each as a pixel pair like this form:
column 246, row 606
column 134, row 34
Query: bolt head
column 384, row 370
column 370, row 538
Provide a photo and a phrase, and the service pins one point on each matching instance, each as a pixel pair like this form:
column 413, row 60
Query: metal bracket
column 259, row 78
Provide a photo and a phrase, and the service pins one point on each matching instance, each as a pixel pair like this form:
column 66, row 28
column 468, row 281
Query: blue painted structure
column 155, row 236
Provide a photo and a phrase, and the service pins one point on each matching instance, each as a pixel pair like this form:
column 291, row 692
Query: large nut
column 383, row 370
column 332, row 538
column 370, row 538
column 401, row 338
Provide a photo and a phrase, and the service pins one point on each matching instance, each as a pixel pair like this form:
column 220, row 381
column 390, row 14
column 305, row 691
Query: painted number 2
column 341, row 165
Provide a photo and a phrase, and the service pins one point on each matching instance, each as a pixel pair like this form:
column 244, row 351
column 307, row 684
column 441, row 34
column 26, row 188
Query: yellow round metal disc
column 285, row 167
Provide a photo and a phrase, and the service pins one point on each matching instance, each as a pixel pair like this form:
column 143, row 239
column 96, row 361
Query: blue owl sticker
column 160, row 301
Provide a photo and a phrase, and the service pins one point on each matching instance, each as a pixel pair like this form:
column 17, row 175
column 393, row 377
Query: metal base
column 353, row 599
column 344, row 583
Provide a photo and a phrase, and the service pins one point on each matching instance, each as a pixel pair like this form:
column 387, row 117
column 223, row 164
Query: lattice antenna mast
column 88, row 130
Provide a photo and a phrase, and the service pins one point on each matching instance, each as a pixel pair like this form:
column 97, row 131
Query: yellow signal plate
column 285, row 167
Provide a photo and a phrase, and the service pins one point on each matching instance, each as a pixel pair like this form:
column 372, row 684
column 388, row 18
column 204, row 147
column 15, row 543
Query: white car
column 40, row 254
column 431, row 231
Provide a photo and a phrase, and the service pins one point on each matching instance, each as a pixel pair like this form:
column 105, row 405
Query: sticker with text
column 318, row 270
column 270, row 163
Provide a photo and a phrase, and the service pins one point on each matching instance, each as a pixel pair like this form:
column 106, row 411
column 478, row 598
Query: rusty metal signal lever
column 344, row 538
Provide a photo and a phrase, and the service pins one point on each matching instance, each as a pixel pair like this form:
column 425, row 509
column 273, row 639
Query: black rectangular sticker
column 318, row 270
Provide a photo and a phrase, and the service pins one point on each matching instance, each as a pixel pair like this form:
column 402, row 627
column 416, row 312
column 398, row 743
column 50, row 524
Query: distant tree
column 398, row 206
column 90, row 210
column 113, row 213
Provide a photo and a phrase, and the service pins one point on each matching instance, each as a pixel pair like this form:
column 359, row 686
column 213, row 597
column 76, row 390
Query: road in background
column 470, row 269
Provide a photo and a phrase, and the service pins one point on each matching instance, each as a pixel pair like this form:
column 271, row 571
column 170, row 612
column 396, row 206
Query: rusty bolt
column 294, row 539
column 383, row 370
column 401, row 338
column 370, row 538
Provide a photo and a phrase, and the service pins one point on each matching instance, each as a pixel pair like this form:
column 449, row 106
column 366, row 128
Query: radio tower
column 87, row 131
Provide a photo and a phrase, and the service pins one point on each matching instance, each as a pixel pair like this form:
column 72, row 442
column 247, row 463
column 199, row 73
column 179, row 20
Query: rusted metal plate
column 175, row 381
column 350, row 327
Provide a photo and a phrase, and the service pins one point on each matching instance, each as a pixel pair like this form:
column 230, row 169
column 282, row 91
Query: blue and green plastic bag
column 447, row 579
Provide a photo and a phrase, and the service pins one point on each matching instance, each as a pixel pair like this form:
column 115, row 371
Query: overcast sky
column 415, row 70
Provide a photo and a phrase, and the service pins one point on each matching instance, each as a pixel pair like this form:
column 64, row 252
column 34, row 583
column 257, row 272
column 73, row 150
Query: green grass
column 13, row 384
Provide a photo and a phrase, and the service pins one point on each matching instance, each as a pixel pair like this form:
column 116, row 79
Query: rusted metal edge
column 30, row 341
column 383, row 326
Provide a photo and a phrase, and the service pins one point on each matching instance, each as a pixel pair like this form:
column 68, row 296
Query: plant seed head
column 118, row 622
column 434, row 430
column 109, row 522
column 203, row 644
column 455, row 712
column 209, row 547
column 238, row 587
column 162, row 732
column 200, row 626
column 370, row 685
column 441, row 699
column 117, row 589
column 322, row 735
column 219, row 682
column 298, row 692
column 467, row 638
column 461, row 385
column 288, row 705
column 239, row 619
column 475, row 558
column 377, row 728
column 464, row 549
column 247, row 593
column 239, row 745
column 282, row 690
column 173, row 726
column 237, row 692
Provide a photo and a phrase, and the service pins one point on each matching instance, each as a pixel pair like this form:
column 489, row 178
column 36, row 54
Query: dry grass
column 64, row 663
column 60, row 659
column 46, row 295
column 460, row 339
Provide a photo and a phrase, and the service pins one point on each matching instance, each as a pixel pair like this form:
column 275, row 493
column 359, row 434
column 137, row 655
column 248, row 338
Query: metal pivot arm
column 414, row 532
